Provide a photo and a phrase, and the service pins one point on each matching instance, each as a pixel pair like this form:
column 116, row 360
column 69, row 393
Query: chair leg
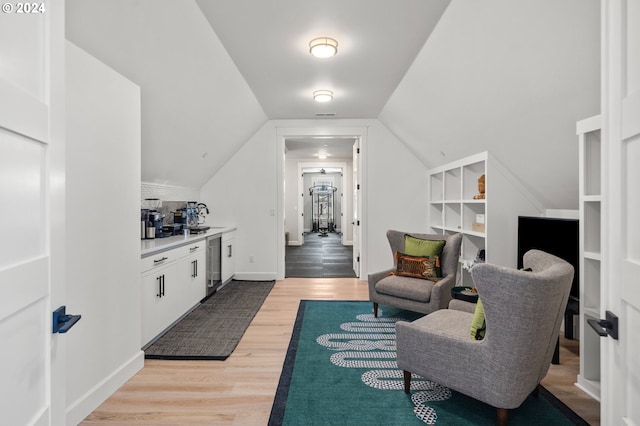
column 407, row 381
column 503, row 416
column 375, row 309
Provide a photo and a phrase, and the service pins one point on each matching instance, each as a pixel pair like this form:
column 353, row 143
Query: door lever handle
column 605, row 327
column 63, row 322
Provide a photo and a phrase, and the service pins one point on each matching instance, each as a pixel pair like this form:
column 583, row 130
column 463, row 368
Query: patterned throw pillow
column 416, row 266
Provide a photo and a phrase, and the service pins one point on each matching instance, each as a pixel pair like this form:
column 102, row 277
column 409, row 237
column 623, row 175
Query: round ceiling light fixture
column 323, row 95
column 323, row 47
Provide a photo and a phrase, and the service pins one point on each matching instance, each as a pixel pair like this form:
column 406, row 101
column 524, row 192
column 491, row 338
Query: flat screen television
column 556, row 236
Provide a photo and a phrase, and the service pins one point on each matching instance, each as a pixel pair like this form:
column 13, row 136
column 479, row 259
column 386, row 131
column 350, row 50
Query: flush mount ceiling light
column 323, row 47
column 323, row 95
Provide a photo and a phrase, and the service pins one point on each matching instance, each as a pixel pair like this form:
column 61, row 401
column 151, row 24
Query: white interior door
column 621, row 171
column 32, row 58
column 356, row 208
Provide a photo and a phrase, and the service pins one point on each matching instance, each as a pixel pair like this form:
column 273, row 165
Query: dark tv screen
column 559, row 237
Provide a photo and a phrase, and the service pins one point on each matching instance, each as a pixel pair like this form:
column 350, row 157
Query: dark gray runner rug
column 213, row 329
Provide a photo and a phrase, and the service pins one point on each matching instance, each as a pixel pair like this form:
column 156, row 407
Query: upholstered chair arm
column 374, row 278
column 441, row 292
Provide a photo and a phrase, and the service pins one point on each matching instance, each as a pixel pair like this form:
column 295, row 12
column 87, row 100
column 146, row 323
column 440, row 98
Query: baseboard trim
column 83, row 406
column 255, row 276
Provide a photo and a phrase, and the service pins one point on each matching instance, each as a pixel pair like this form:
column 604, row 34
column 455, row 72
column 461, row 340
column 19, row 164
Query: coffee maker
column 154, row 224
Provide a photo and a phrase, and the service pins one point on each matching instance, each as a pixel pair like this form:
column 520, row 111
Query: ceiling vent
column 325, row 114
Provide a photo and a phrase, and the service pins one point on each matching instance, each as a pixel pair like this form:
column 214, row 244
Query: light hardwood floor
column 240, row 390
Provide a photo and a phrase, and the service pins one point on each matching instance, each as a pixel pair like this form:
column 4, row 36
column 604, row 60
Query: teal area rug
column 340, row 369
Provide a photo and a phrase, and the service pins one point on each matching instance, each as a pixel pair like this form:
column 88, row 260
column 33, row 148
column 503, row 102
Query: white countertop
column 158, row 245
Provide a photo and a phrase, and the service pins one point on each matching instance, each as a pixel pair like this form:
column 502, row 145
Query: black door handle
column 605, row 327
column 63, row 322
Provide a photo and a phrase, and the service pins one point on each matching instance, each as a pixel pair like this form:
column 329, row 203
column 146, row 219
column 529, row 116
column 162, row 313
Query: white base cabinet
column 228, row 263
column 173, row 282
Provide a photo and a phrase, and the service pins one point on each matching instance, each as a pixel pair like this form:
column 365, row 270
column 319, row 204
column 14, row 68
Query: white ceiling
column 269, row 43
column 332, row 147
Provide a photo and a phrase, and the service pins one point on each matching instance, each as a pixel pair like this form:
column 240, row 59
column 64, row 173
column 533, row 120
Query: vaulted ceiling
column 448, row 78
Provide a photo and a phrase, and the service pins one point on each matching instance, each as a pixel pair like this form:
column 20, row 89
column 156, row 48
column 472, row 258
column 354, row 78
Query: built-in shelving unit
column 590, row 152
column 453, row 209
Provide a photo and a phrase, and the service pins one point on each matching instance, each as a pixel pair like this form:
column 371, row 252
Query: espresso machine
column 154, row 224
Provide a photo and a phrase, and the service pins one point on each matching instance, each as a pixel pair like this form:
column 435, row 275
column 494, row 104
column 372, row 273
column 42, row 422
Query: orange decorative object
column 481, row 188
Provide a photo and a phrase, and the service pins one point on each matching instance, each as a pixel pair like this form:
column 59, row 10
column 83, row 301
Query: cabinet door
column 193, row 281
column 158, row 301
column 228, row 260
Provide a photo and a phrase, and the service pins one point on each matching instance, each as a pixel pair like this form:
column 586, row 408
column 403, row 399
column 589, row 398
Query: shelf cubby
column 591, row 224
column 470, row 211
column 470, row 246
column 471, row 173
column 452, row 184
column 590, row 294
column 452, row 216
column 436, row 215
column 437, row 187
column 592, row 163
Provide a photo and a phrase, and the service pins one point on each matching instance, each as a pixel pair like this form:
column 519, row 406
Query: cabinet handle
column 196, row 264
column 194, row 269
column 162, row 286
column 194, row 248
column 230, row 250
column 159, row 279
column 160, row 260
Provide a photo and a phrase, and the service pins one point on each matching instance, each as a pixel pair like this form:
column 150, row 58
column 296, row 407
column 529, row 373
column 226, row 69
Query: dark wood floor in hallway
column 320, row 257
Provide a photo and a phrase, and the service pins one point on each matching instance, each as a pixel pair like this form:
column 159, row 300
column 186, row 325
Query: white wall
column 393, row 191
column 103, row 236
column 396, row 185
column 508, row 77
column 197, row 108
column 242, row 194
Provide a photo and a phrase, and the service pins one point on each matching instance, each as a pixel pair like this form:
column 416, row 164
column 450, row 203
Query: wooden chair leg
column 503, row 416
column 375, row 309
column 407, row 381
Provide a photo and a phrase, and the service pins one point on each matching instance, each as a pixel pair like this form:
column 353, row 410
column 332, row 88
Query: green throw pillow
column 478, row 324
column 429, row 248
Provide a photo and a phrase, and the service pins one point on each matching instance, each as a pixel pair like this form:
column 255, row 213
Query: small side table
column 464, row 293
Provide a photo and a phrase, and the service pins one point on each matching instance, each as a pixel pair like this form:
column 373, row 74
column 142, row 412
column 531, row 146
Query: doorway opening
column 322, row 146
column 319, row 206
column 323, row 251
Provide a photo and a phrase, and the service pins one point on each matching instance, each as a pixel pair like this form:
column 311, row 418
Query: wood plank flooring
column 240, row 390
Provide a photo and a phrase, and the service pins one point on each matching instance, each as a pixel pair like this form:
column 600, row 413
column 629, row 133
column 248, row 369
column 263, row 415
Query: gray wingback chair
column 523, row 312
column 415, row 294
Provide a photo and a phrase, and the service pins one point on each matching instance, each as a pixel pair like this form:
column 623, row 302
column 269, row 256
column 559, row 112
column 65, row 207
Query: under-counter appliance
column 214, row 264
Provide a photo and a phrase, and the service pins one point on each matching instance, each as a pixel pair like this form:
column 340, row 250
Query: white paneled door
column 620, row 358
column 31, row 48
column 356, row 207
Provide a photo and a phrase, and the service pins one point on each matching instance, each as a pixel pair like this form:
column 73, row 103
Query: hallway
column 319, row 257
